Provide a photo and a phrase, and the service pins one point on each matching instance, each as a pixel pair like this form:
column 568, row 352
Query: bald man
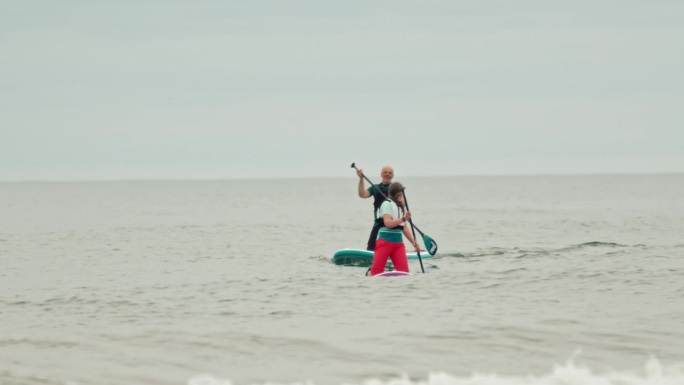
column 376, row 192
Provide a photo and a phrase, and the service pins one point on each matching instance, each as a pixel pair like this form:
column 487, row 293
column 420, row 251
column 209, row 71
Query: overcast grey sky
column 153, row 89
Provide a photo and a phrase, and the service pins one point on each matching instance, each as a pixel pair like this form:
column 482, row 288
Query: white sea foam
column 653, row 373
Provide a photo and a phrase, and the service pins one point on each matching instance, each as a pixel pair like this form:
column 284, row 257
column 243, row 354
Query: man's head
column 387, row 174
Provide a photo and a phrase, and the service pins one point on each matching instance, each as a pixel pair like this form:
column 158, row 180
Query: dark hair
column 395, row 189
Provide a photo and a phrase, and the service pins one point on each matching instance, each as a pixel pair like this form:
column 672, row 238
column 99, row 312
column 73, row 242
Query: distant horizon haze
column 235, row 90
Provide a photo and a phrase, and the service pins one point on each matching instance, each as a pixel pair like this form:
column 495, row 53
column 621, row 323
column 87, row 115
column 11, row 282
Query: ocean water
column 538, row 280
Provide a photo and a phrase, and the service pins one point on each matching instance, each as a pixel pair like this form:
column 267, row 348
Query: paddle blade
column 430, row 244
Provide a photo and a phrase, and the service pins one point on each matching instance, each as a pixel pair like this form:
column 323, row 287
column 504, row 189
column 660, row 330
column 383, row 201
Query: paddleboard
column 392, row 274
column 364, row 258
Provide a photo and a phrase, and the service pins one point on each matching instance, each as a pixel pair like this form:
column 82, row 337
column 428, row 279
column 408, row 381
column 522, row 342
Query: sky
column 233, row 89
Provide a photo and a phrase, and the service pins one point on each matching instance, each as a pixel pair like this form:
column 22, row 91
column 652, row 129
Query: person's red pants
column 384, row 250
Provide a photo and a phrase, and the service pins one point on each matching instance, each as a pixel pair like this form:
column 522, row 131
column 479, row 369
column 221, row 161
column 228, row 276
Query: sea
column 540, row 279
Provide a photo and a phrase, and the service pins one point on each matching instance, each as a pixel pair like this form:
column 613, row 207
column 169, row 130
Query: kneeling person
column 390, row 243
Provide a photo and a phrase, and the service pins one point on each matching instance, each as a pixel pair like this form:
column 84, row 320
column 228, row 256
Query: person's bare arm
column 391, row 223
column 363, row 193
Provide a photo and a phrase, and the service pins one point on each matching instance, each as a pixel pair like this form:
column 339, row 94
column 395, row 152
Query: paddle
column 413, row 230
column 430, row 243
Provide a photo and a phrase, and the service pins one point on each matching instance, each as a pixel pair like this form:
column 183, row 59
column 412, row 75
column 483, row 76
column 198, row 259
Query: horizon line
column 185, row 179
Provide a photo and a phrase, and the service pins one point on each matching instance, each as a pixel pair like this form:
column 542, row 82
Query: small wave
column 568, row 374
column 454, row 255
column 512, row 271
column 593, row 244
column 516, row 252
column 598, row 243
column 320, row 258
column 37, row 343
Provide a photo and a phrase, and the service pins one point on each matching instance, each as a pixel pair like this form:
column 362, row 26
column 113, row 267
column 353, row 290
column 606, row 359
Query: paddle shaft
column 413, row 231
column 368, row 180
